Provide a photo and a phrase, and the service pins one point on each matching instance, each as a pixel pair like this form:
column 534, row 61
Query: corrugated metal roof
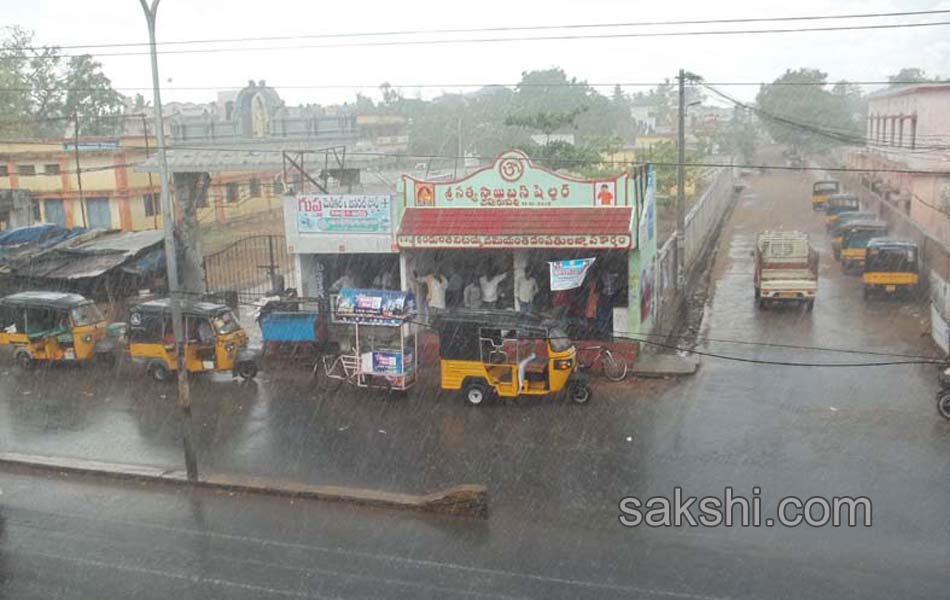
column 89, row 255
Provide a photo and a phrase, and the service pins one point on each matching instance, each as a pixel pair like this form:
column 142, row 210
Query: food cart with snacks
column 383, row 344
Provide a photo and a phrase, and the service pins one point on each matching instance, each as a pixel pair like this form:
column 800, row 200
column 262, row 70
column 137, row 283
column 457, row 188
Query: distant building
column 908, row 129
column 113, row 195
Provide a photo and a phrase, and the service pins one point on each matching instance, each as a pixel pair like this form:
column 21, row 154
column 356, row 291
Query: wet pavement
column 555, row 471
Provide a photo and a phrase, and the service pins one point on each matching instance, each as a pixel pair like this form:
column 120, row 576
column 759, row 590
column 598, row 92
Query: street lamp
column 171, row 258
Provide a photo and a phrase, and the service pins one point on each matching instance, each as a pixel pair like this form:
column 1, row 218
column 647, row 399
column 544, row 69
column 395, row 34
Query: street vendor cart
column 383, row 346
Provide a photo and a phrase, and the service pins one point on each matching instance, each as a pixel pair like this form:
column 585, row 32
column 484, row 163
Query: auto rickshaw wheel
column 475, row 393
column 943, row 404
column 159, row 371
column 579, row 393
column 247, row 370
column 25, row 361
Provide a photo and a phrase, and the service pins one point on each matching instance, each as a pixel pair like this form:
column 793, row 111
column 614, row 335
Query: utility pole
column 82, row 199
column 171, row 258
column 681, row 183
column 681, row 178
column 151, row 186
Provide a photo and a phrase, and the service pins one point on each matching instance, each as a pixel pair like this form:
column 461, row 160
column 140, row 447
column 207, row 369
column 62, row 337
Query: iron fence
column 250, row 267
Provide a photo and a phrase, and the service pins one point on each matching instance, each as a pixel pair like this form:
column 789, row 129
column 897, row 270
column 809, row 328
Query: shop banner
column 343, row 213
column 373, row 307
column 569, row 274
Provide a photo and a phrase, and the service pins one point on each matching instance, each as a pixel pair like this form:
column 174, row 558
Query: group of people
column 476, row 291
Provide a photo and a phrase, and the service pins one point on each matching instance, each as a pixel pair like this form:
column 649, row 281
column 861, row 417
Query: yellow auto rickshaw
column 820, row 191
column 214, row 339
column 507, row 354
column 891, row 266
column 837, row 231
column 854, row 241
column 53, row 327
column 837, row 204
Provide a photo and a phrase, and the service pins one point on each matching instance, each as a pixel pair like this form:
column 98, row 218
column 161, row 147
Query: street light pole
column 681, row 182
column 171, row 258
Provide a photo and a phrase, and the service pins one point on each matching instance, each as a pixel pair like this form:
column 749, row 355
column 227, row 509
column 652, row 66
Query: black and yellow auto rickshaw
column 820, row 191
column 507, row 354
column 891, row 266
column 837, row 204
column 53, row 327
column 214, row 339
column 855, row 238
column 837, row 231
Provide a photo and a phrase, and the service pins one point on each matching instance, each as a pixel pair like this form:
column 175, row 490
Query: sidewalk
column 664, row 365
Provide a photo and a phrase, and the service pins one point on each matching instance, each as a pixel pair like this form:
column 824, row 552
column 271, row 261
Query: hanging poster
column 373, row 307
column 569, row 274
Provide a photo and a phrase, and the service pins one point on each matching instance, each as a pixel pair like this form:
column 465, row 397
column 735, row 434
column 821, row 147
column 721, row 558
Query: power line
column 569, row 26
column 495, row 40
column 565, row 84
column 838, row 135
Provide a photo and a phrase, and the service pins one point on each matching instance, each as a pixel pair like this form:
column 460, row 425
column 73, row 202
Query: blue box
column 289, row 327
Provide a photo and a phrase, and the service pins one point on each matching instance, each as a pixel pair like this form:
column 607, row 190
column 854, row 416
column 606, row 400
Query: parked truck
column 786, row 268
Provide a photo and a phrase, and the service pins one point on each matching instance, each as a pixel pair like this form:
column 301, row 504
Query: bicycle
column 614, row 368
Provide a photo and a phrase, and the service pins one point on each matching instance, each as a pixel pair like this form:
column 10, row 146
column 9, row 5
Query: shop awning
column 599, row 228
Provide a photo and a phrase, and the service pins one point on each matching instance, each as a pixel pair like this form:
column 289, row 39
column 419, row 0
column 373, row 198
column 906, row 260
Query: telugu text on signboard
column 343, row 213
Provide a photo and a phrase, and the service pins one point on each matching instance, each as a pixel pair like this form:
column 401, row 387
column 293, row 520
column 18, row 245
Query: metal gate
column 250, row 267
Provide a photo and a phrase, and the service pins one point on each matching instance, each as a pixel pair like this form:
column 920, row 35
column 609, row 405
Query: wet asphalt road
column 555, row 471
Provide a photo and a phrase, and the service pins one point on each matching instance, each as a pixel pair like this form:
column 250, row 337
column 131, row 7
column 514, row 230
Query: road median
column 468, row 500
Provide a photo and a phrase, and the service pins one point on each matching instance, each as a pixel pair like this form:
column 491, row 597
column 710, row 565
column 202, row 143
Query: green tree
column 799, row 110
column 89, row 95
column 42, row 91
column 908, row 75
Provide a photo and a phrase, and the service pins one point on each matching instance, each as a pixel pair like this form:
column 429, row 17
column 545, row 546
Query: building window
column 37, row 212
column 51, row 169
column 255, row 188
column 25, row 170
column 152, row 203
column 232, row 193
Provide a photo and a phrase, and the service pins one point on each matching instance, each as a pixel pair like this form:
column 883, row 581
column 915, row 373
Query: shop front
column 341, row 241
column 517, row 236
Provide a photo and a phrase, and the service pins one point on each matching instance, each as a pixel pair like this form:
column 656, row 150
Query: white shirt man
column 527, row 290
column 490, row 287
column 435, row 284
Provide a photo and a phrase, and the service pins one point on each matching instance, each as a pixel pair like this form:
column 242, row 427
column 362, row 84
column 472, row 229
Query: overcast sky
column 856, row 55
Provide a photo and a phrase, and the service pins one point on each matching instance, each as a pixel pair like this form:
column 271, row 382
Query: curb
column 467, row 500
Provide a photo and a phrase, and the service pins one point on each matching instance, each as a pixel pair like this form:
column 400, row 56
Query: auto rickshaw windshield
column 559, row 340
column 892, row 260
column 225, row 323
column 85, row 314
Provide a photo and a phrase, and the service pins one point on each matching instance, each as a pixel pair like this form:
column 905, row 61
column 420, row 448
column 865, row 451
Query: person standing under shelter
column 489, row 287
column 593, row 300
column 527, row 290
column 435, row 286
column 453, row 293
column 472, row 296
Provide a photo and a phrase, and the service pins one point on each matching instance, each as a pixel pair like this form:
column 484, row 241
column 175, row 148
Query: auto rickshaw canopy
column 827, row 186
column 39, row 299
